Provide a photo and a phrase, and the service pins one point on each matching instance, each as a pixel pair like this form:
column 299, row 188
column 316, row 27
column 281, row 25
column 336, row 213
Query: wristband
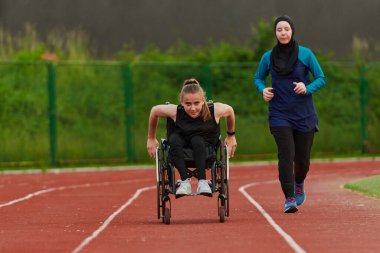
column 231, row 133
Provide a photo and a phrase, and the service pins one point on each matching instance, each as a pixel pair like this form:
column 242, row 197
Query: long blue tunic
column 288, row 108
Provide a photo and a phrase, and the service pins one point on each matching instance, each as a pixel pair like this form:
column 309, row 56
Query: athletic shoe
column 184, row 187
column 290, row 205
column 204, row 187
column 299, row 193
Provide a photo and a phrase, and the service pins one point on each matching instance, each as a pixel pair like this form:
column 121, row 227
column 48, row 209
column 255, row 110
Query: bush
column 91, row 97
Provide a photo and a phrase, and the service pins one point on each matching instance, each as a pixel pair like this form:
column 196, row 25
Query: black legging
column 197, row 144
column 293, row 148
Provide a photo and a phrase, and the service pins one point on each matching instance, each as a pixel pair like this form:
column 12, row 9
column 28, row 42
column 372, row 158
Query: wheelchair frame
column 166, row 185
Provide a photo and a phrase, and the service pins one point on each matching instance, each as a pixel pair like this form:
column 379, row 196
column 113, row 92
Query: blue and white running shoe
column 299, row 193
column 290, row 205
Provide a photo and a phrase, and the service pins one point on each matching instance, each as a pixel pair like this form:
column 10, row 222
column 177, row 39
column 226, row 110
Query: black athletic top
column 189, row 127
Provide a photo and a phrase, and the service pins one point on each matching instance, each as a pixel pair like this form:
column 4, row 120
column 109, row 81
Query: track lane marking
column 110, row 218
column 61, row 188
column 270, row 220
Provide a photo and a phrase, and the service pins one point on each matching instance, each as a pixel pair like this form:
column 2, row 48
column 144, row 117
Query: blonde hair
column 192, row 86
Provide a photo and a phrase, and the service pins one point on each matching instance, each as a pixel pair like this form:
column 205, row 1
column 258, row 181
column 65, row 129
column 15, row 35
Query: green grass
column 369, row 186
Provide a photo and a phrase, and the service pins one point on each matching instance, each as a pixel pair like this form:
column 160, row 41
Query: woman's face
column 283, row 32
column 193, row 104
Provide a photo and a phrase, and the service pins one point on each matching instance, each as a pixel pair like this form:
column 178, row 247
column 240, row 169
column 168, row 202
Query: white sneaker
column 184, row 187
column 203, row 187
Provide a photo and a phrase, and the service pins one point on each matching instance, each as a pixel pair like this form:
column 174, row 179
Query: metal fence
column 63, row 113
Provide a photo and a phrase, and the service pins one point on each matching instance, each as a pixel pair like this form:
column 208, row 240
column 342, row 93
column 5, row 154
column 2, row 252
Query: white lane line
column 61, row 188
column 110, row 218
column 270, row 220
column 29, row 196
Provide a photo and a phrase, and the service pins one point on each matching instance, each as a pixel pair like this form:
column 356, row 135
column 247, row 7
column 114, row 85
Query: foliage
column 28, row 46
column 91, row 103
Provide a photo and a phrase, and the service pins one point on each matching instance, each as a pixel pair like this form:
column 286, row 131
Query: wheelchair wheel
column 222, row 175
column 222, row 213
column 226, row 179
column 159, row 181
column 166, row 216
column 163, row 199
column 159, row 197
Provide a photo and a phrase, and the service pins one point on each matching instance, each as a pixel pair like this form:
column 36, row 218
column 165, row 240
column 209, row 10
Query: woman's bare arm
column 155, row 113
column 226, row 111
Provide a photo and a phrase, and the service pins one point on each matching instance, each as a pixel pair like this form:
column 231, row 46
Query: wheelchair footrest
column 195, row 194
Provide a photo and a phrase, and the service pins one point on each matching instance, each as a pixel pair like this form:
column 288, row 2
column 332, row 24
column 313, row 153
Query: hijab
column 284, row 56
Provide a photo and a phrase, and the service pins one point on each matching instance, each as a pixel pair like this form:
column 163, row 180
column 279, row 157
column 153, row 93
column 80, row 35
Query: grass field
column 369, row 186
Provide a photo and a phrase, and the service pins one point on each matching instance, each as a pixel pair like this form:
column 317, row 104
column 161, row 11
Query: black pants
column 293, row 149
column 197, row 144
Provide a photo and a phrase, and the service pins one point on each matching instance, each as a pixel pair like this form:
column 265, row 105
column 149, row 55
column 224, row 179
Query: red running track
column 115, row 211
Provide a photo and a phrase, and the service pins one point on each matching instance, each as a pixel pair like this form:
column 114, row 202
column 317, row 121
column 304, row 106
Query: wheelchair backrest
column 170, row 127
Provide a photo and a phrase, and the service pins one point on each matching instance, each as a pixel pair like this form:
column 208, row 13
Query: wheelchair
column 217, row 161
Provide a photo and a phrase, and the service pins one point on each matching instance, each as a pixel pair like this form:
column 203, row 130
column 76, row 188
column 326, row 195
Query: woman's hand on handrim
column 152, row 145
column 230, row 141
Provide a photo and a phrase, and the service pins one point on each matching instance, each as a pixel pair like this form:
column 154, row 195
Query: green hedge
column 91, row 109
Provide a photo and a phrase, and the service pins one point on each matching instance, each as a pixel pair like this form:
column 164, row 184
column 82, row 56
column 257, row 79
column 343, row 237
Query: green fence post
column 52, row 114
column 363, row 84
column 129, row 119
column 207, row 82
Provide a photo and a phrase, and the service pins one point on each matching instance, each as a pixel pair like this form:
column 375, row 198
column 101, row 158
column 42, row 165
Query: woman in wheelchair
column 196, row 127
